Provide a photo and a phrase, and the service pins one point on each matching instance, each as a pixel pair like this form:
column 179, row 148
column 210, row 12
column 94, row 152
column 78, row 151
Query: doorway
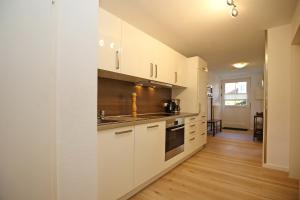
column 236, row 104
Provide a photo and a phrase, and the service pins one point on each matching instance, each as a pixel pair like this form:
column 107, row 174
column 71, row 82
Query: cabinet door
column 149, row 151
column 110, row 34
column 202, row 93
column 163, row 63
column 138, row 49
column 116, row 160
column 203, row 130
column 180, row 70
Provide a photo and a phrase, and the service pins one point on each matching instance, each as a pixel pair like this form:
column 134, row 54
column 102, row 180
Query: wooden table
column 214, row 125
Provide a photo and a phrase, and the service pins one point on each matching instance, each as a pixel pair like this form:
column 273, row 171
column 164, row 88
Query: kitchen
column 108, row 99
column 152, row 108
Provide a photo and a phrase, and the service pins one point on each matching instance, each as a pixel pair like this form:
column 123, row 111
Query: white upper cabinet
column 163, row 62
column 127, row 50
column 138, row 52
column 180, row 67
column 110, row 35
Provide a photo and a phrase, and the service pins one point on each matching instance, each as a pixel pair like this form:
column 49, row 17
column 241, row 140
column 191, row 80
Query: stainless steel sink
column 156, row 115
column 106, row 121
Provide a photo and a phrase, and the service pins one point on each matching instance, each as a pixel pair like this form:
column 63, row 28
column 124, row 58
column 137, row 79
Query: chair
column 258, row 129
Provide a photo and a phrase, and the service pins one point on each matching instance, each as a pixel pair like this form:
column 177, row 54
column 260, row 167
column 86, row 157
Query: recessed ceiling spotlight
column 240, row 65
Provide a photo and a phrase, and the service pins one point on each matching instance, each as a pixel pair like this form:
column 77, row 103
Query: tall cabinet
column 193, row 99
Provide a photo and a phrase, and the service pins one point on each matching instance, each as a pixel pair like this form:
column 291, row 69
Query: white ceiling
column 205, row 27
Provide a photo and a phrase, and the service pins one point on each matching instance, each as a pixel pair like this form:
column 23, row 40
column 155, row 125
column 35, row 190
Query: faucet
column 101, row 114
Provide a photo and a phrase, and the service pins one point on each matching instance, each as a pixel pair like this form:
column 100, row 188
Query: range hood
column 132, row 79
column 149, row 83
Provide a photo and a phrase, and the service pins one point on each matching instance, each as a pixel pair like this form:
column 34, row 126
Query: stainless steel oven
column 174, row 138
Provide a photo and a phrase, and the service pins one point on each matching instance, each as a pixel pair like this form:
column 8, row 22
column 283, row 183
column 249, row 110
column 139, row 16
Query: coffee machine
column 172, row 106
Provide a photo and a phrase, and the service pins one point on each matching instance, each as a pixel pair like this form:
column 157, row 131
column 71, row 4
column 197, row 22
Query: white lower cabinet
column 116, row 160
column 149, row 151
column 194, row 137
column 131, row 156
column 203, row 130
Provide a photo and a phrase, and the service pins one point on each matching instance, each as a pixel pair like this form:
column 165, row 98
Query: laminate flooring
column 228, row 168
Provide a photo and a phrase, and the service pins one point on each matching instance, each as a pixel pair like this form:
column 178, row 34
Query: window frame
column 248, row 82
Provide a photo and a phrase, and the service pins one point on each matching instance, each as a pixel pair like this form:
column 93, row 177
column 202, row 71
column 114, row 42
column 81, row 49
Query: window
column 236, row 94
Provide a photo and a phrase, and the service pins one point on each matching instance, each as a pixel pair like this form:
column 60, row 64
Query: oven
column 174, row 138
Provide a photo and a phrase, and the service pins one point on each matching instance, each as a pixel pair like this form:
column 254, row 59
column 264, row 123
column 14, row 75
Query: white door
column 236, row 103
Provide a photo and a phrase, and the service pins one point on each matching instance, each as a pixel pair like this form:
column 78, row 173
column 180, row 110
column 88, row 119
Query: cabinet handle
column 176, row 77
column 192, row 139
column 154, row 126
column 117, row 60
column 176, row 129
column 203, row 134
column 192, row 119
column 123, row 132
column 193, row 125
column 151, row 69
column 192, row 132
column 203, row 122
column 203, row 116
column 156, row 71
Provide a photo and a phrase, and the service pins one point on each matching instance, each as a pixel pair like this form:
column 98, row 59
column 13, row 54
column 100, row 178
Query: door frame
column 232, row 80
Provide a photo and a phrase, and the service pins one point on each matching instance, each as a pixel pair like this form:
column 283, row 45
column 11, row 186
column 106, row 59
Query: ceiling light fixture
column 240, row 65
column 230, row 2
column 234, row 10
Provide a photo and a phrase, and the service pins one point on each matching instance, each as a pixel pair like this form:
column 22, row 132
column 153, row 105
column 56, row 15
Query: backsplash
column 114, row 97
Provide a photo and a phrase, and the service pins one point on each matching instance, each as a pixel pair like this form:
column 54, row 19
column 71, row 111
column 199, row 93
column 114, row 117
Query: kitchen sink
column 156, row 115
column 106, row 121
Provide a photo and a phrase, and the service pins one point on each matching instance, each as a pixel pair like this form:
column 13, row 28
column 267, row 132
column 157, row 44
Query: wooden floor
column 228, row 168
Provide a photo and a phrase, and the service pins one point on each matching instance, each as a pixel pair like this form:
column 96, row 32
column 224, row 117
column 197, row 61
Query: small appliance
column 172, row 106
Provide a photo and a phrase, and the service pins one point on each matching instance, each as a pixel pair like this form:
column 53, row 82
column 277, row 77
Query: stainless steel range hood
column 150, row 83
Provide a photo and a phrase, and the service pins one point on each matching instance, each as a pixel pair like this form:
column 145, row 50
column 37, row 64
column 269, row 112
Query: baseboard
column 276, row 167
column 236, row 129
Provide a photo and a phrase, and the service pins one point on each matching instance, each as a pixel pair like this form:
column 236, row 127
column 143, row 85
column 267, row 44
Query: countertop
column 124, row 121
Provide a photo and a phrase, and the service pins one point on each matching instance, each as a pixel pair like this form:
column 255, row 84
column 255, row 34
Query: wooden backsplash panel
column 114, row 97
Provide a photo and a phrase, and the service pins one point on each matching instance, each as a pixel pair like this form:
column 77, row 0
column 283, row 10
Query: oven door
column 174, row 141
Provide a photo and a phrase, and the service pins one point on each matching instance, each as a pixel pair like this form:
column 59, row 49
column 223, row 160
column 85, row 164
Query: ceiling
column 205, row 28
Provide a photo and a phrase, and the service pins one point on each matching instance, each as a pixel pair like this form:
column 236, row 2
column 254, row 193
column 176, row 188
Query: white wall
column 294, row 102
column 278, row 69
column 27, row 100
column 215, row 79
column 77, row 100
column 48, row 84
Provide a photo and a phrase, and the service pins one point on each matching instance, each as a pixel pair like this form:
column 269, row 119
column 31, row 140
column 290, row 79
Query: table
column 214, row 125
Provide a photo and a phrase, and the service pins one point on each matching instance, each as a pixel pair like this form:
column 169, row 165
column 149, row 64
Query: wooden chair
column 258, row 129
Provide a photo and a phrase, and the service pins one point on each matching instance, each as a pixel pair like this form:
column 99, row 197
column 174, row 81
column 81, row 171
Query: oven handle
column 176, row 129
